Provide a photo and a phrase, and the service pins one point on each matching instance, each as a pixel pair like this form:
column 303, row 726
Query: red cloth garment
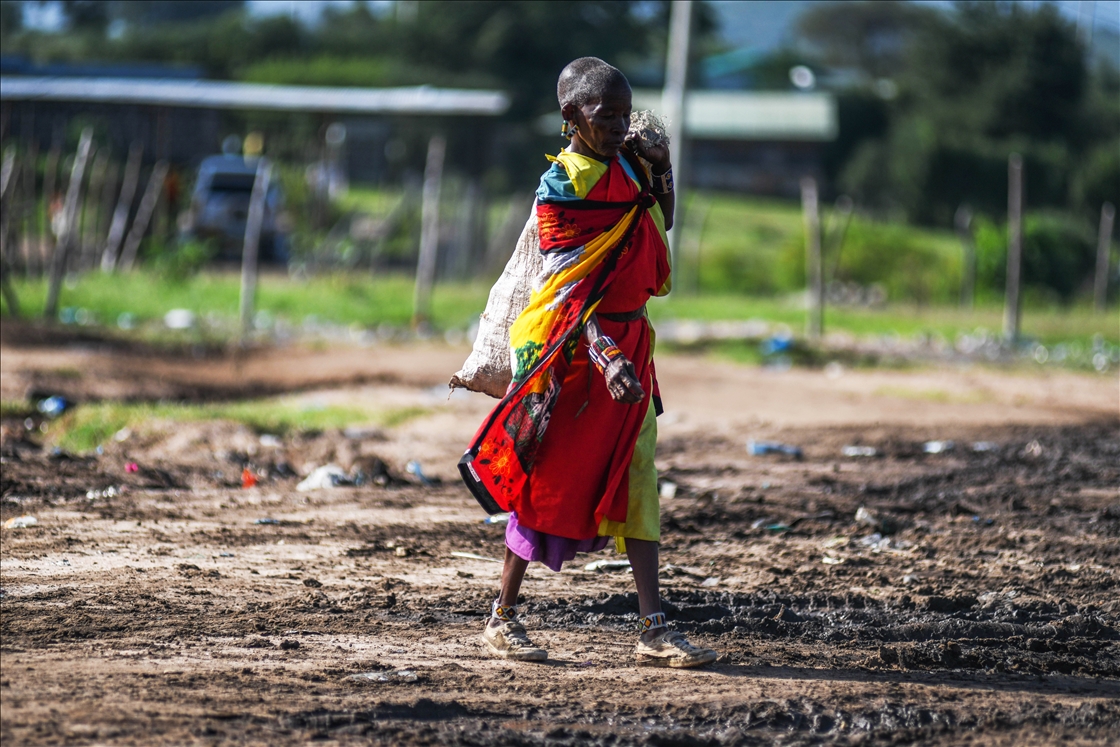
column 560, row 457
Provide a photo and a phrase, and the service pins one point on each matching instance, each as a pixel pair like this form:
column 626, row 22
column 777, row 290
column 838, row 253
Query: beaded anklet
column 650, row 622
column 505, row 613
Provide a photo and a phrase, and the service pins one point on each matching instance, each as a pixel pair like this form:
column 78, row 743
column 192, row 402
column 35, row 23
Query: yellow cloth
column 643, row 512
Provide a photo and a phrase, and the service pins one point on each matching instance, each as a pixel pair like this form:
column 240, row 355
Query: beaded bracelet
column 662, row 184
column 602, row 352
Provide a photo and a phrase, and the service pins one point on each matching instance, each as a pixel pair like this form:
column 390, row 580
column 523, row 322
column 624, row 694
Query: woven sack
column 488, row 369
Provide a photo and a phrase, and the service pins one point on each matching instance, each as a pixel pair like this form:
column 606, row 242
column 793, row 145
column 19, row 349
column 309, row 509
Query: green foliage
column 184, row 260
column 1058, row 259
column 976, row 84
column 333, row 70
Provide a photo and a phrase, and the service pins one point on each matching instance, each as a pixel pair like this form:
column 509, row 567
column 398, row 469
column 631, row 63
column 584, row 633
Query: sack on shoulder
column 489, row 368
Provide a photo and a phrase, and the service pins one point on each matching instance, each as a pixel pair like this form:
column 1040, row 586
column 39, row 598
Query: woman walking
column 569, row 450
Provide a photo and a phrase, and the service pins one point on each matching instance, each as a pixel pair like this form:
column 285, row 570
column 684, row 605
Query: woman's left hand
column 657, row 155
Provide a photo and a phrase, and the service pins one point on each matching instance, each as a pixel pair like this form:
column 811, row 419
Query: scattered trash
column 313, row 583
column 667, row 490
column 270, row 441
column 226, row 555
column 985, row 446
column 473, row 556
column 837, row 541
column 876, row 542
column 937, row 447
column 464, row 574
column 327, row 476
column 985, row 522
column 401, row 675
column 779, row 343
column 248, row 478
column 910, row 578
column 865, row 517
column 54, row 406
column 289, row 645
column 496, row 519
column 710, row 581
column 829, row 560
column 131, row 468
column 20, row 522
column 603, row 566
column 859, row 451
column 267, row 521
column 769, row 525
column 1033, row 450
column 126, row 321
column 122, row 435
column 834, row 370
column 401, row 551
column 109, row 492
column 413, row 468
column 669, row 569
column 179, row 319
column 761, row 448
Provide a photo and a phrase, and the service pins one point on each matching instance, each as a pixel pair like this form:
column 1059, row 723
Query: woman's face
column 604, row 122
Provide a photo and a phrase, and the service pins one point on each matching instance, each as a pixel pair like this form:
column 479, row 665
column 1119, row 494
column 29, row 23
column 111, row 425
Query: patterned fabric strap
column 602, row 352
column 505, row 613
column 649, row 622
column 662, row 184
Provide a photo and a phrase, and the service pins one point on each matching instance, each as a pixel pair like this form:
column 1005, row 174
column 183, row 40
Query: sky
column 758, row 25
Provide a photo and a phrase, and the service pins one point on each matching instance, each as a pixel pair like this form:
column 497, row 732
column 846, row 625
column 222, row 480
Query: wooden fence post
column 429, row 232
column 250, row 252
column 813, row 271
column 1011, row 311
column 7, row 185
column 69, row 224
column 962, row 221
column 143, row 216
column 124, row 206
column 30, row 204
column 46, row 233
column 1104, row 244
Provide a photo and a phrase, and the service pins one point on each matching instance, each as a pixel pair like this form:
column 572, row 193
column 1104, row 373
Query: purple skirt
column 529, row 544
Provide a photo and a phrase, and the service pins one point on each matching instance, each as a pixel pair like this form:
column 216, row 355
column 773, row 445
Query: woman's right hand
column 622, row 381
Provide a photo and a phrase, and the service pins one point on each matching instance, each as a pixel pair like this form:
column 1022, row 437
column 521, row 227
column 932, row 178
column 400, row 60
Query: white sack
column 488, row 369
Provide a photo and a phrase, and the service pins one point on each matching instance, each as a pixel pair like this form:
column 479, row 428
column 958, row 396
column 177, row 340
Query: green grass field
column 371, row 301
column 84, row 428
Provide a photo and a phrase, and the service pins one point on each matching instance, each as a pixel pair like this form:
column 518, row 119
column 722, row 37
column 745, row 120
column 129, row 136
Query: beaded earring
column 568, row 129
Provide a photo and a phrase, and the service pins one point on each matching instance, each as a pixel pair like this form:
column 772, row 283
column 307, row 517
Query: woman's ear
column 568, row 112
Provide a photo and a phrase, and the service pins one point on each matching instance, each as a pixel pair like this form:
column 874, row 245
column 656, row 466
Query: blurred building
column 753, row 141
column 184, row 120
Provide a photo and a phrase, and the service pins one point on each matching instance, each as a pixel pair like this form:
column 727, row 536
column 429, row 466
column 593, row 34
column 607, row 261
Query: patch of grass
column 1047, row 324
column 354, row 298
column 87, row 426
column 16, row 409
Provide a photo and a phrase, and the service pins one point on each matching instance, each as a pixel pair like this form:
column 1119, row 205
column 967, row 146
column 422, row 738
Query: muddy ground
column 169, row 605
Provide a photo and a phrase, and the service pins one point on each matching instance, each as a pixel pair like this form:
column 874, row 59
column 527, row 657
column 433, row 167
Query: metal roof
column 210, row 94
column 751, row 115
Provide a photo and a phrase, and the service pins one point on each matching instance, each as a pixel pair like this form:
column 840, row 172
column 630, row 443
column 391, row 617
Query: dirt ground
column 169, row 605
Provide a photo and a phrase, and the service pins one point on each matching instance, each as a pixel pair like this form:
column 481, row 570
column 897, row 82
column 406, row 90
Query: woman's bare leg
column 644, row 559
column 513, row 572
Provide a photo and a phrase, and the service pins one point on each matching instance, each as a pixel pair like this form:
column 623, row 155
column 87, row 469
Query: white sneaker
column 672, row 649
column 509, row 641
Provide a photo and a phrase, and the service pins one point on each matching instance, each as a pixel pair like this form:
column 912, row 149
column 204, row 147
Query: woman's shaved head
column 589, row 78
